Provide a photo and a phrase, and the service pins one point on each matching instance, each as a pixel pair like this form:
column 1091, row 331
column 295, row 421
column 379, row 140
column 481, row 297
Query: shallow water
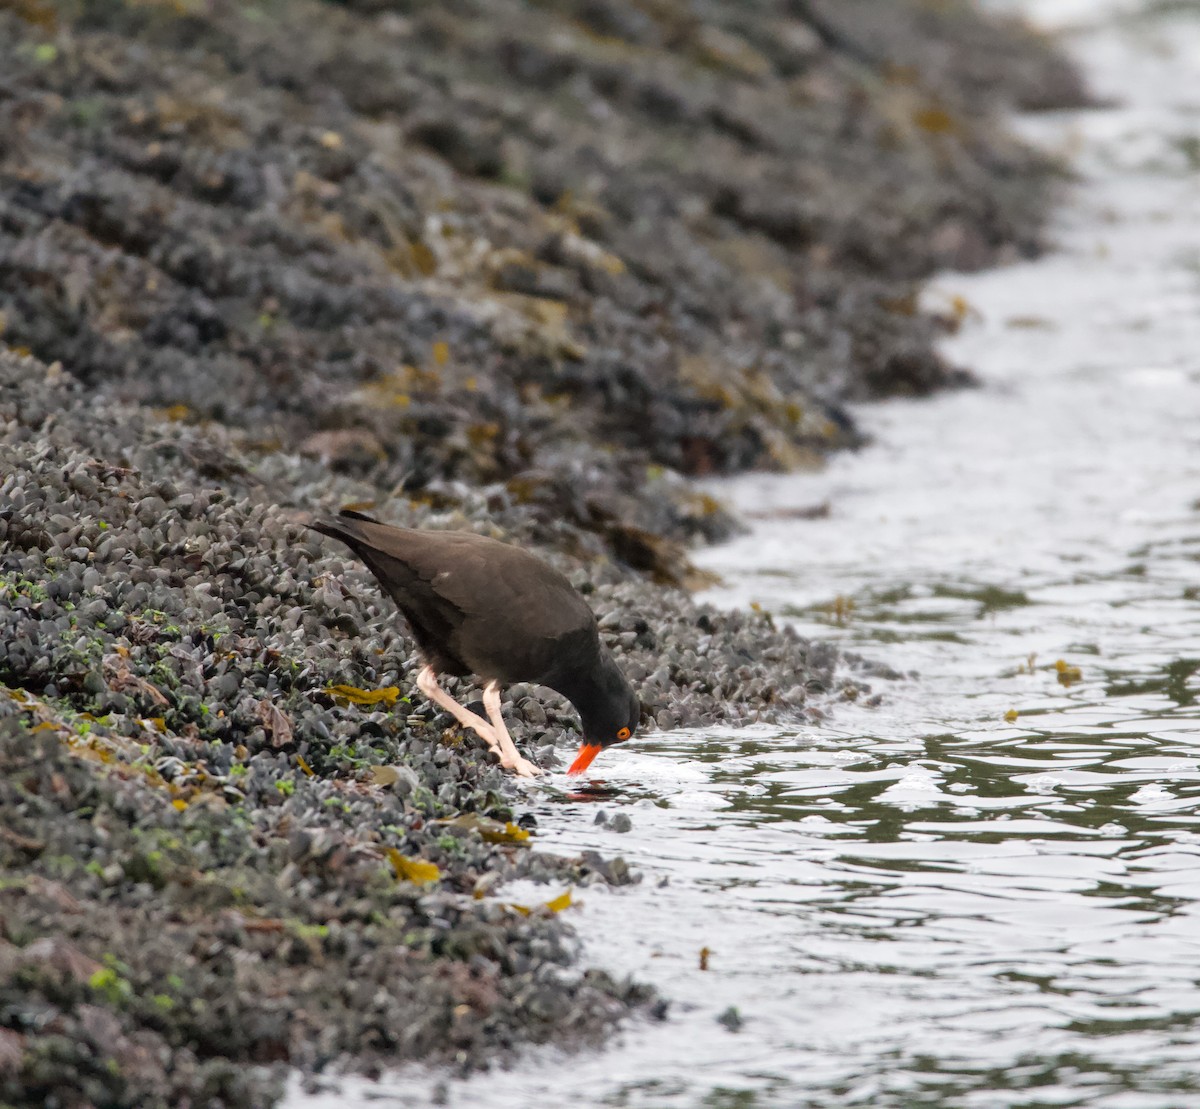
column 930, row 903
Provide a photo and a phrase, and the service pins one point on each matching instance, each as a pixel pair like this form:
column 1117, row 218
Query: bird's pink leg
column 427, row 683
column 510, row 757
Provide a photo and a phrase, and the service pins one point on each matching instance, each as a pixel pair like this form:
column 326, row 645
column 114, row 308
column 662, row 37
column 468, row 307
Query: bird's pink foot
column 510, row 757
column 427, row 683
column 522, row 767
column 494, row 734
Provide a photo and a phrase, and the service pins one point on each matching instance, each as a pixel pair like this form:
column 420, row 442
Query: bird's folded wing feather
column 485, row 580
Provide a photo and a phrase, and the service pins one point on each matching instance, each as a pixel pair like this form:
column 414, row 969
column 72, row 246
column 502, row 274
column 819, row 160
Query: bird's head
column 606, row 720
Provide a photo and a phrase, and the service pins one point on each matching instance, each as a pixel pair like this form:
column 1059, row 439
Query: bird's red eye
column 623, row 733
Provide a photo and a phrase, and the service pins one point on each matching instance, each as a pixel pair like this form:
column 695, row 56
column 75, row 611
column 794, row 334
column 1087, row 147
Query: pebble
column 731, row 1019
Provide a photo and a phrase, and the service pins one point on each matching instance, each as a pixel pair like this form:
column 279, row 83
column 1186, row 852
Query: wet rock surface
column 206, row 833
column 515, row 268
column 549, row 245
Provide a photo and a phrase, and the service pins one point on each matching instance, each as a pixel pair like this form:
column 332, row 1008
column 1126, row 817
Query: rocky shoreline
column 516, row 268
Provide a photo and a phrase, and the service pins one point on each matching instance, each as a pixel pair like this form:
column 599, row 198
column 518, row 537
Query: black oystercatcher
column 477, row 606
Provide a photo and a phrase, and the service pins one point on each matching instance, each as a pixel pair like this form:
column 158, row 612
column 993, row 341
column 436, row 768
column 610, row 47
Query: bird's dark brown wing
column 522, row 619
column 475, row 605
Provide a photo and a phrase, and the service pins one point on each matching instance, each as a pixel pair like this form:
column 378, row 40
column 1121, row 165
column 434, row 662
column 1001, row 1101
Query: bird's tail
column 344, row 526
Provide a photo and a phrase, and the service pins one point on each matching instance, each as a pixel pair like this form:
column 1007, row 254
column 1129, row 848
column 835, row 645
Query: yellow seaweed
column 352, row 695
column 555, row 905
column 412, row 870
column 493, row 831
column 1067, row 674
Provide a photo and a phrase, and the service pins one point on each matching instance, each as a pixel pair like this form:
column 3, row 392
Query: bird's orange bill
column 587, row 752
